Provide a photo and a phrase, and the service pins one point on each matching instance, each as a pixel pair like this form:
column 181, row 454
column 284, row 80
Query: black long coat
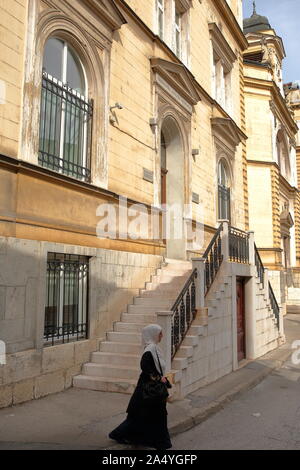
column 145, row 425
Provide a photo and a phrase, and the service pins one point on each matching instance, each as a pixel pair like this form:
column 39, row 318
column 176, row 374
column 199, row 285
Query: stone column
column 251, row 249
column 164, row 319
column 225, row 239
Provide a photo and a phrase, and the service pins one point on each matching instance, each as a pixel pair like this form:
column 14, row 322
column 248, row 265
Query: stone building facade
column 272, row 165
column 104, row 105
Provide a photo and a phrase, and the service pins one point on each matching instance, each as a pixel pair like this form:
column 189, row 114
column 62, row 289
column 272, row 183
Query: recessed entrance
column 172, row 188
column 240, row 310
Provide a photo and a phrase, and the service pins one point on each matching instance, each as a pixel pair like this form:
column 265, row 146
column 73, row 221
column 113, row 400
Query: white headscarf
column 150, row 336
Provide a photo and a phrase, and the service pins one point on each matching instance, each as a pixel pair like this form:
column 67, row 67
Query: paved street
column 267, row 417
column 233, row 414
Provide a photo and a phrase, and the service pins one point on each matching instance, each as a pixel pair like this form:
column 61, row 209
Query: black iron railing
column 274, row 305
column 65, row 129
column 66, row 311
column 259, row 265
column 238, row 246
column 213, row 259
column 184, row 311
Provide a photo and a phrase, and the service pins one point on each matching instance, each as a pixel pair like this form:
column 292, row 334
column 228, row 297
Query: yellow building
column 106, row 106
column 271, row 155
column 292, row 93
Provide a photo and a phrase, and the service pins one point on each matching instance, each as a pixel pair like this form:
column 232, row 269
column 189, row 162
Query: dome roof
column 256, row 23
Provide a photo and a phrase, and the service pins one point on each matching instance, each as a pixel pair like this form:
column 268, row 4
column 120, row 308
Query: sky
column 284, row 17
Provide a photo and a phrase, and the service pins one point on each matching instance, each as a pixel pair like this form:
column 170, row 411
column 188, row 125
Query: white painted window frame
column 75, row 93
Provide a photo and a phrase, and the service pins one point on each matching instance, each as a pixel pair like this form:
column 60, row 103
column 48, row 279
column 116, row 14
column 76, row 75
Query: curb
column 202, row 414
column 199, row 415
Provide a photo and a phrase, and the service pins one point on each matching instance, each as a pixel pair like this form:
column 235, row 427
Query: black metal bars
column 184, row 311
column 274, row 305
column 66, row 312
column 213, row 259
column 65, row 129
column 259, row 265
column 238, row 246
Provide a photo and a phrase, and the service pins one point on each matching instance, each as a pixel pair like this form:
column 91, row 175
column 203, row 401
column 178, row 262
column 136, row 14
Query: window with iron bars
column 66, row 113
column 224, row 203
column 66, row 311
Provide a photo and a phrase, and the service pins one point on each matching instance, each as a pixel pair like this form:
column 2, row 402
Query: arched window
column 66, row 112
column 283, row 156
column 223, row 192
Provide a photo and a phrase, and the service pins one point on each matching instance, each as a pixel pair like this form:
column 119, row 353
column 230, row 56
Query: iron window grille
column 65, row 129
column 66, row 311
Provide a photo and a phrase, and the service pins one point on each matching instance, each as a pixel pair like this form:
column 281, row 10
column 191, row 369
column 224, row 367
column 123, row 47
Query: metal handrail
column 184, row 311
column 213, row 259
column 259, row 265
column 238, row 245
column 274, row 304
column 218, row 232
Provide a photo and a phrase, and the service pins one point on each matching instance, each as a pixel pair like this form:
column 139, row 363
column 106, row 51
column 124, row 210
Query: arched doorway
column 173, row 188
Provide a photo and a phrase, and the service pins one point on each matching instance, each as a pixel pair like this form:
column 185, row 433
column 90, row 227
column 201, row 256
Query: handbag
column 156, row 391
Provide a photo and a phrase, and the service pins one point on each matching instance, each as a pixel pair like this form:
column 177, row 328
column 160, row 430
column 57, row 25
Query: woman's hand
column 164, row 380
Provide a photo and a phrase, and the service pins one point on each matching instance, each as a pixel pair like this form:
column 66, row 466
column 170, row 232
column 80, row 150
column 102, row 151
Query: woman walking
column 146, row 422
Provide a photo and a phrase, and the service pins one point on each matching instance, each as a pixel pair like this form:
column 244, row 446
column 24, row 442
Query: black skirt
column 145, row 425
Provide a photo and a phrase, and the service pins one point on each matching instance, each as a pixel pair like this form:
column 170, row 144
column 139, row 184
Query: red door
column 240, row 308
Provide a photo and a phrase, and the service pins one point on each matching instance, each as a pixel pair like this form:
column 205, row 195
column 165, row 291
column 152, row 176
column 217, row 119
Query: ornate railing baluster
column 238, row 246
column 213, row 259
column 274, row 304
column 184, row 311
column 259, row 265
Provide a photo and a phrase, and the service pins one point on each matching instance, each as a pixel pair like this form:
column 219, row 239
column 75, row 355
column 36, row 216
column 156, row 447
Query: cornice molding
column 221, row 47
column 279, row 104
column 177, row 76
column 108, row 12
column 226, row 130
column 255, row 42
column 229, row 18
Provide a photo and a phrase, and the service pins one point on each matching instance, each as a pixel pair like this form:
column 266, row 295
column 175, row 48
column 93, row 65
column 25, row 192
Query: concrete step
column 190, row 341
column 147, row 309
column 178, row 264
column 104, row 384
column 121, row 348
column 155, row 302
column 122, row 337
column 129, row 327
column 115, row 359
column 139, row 318
column 110, row 370
column 180, row 363
column 185, row 352
column 158, row 294
column 166, row 278
column 197, row 330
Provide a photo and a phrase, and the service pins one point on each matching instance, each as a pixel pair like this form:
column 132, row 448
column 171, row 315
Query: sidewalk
column 81, row 419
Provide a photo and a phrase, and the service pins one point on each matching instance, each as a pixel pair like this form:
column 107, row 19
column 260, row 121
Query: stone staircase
column 268, row 336
column 116, row 366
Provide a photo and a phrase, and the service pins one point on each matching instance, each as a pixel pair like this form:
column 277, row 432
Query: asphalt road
column 265, row 418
